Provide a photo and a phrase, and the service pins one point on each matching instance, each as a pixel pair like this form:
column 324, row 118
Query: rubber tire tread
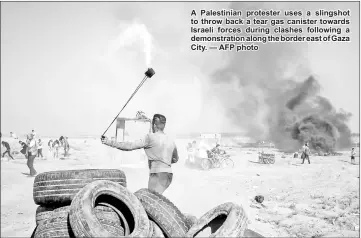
column 85, row 224
column 234, row 225
column 43, row 213
column 58, row 188
column 58, row 224
column 163, row 212
column 157, row 232
column 123, row 220
column 109, row 219
column 190, row 220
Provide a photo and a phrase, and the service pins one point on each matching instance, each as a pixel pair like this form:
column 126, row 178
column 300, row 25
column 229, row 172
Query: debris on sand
column 259, row 198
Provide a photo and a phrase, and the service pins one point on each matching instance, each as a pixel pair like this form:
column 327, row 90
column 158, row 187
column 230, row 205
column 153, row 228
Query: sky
column 68, row 68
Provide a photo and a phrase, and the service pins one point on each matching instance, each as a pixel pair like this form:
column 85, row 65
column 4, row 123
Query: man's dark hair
column 159, row 120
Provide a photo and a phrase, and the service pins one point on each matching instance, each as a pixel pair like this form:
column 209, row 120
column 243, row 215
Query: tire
column 123, row 220
column 58, row 188
column 190, row 220
column 43, row 214
column 85, row 224
column 157, row 232
column 206, row 164
column 58, row 224
column 163, row 212
column 234, row 225
column 109, row 219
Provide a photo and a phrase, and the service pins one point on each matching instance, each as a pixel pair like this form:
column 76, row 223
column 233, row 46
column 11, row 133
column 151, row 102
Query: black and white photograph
column 180, row 119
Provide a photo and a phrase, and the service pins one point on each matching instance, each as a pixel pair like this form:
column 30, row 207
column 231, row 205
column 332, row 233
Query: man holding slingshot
column 160, row 150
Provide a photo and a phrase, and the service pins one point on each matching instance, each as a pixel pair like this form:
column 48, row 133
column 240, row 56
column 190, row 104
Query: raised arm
column 129, row 145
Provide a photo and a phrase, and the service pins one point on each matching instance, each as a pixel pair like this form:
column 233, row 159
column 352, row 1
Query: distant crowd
column 32, row 147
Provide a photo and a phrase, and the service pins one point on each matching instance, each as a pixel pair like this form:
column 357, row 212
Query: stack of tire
column 96, row 203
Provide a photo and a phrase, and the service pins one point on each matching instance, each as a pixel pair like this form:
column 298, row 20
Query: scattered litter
column 259, row 198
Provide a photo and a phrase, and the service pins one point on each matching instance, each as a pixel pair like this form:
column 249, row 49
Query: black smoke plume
column 272, row 95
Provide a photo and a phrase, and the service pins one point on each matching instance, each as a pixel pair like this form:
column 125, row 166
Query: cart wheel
column 206, row 164
column 228, row 163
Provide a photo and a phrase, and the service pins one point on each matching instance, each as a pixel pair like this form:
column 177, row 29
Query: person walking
column 7, row 151
column 353, row 154
column 32, row 151
column 40, row 148
column 305, row 153
column 160, row 149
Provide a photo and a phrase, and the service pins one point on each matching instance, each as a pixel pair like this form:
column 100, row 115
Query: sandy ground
column 320, row 199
